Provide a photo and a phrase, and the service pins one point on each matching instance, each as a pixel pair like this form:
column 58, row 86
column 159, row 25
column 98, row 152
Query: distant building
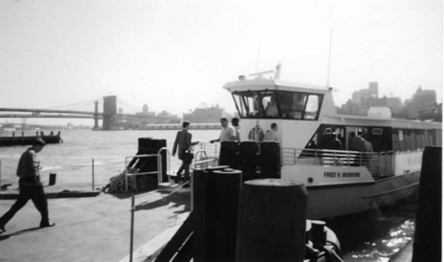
column 422, row 104
column 165, row 117
column 204, row 115
column 371, row 92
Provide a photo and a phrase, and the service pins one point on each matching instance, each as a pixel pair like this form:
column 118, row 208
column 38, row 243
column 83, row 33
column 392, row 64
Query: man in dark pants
column 183, row 143
column 30, row 187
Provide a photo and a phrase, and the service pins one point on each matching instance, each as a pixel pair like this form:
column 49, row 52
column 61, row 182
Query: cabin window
column 278, row 104
column 377, row 131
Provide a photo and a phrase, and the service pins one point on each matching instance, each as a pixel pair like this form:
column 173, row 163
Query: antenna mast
column 329, row 59
column 257, row 58
column 329, row 48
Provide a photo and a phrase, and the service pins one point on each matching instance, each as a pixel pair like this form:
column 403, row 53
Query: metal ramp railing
column 129, row 180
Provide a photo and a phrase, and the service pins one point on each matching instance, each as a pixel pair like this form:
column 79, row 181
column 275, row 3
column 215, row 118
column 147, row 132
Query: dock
column 23, row 139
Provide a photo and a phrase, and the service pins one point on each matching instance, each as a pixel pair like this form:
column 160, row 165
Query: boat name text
column 342, row 174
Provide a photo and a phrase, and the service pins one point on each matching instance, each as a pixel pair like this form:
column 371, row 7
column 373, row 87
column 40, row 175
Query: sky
column 177, row 55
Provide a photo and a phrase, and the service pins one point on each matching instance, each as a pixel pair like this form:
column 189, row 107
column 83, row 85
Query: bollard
column 318, row 235
column 272, row 221
column 229, row 153
column 270, row 159
column 216, row 197
column 427, row 241
column 52, row 179
column 249, row 151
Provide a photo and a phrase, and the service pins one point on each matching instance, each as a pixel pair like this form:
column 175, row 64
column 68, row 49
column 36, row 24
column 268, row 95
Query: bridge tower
column 96, row 115
column 109, row 112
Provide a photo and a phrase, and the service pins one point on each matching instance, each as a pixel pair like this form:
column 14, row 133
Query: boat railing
column 205, row 155
column 379, row 164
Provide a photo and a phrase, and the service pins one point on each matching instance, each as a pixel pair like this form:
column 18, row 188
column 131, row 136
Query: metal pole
column 92, row 174
column 132, row 229
column 0, row 172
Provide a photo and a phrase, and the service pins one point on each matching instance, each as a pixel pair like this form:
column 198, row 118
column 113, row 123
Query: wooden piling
column 427, row 242
column 271, row 223
column 216, row 200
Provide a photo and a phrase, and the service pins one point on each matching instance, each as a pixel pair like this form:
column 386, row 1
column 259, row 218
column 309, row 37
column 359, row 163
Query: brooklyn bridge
column 109, row 116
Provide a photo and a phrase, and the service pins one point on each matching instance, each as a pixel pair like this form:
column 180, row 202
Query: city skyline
column 174, row 55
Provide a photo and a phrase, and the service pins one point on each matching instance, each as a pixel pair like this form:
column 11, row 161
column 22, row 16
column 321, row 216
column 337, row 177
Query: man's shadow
column 6, row 236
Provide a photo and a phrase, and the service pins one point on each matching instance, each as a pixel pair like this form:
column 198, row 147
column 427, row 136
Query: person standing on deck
column 228, row 133
column 182, row 145
column 272, row 133
column 30, row 187
column 235, row 124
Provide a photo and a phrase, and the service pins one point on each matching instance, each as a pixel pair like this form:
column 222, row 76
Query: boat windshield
column 277, row 104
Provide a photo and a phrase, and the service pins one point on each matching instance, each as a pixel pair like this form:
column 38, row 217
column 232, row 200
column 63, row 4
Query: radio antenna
column 329, row 48
column 329, row 59
column 257, row 58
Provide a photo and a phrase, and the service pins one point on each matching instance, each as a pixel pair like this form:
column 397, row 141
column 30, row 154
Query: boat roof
column 374, row 121
column 275, row 84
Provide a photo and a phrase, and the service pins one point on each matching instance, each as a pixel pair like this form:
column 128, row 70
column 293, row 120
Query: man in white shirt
column 227, row 133
column 272, row 134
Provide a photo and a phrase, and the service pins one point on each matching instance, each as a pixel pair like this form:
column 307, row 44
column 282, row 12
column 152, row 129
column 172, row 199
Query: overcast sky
column 176, row 55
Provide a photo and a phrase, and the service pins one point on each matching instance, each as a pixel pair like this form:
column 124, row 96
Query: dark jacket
column 182, row 142
column 27, row 168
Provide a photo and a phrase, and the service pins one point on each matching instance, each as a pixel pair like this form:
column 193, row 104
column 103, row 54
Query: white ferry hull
column 339, row 200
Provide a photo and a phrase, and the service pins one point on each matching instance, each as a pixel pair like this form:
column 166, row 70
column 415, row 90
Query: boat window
column 248, row 104
column 277, row 104
column 377, row 131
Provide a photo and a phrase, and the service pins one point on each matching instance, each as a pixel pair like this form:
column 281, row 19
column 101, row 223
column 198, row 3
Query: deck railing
column 379, row 164
column 205, row 155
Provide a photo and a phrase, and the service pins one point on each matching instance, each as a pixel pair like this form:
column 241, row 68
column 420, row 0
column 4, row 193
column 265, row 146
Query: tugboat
column 349, row 164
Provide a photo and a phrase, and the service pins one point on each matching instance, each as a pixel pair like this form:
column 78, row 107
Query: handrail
column 379, row 164
column 159, row 162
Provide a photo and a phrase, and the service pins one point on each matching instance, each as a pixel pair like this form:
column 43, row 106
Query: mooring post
column 132, row 229
column 215, row 207
column 427, row 241
column 271, row 223
column 92, row 166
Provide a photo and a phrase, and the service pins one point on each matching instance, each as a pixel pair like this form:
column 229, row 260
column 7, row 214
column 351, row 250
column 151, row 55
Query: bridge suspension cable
column 89, row 103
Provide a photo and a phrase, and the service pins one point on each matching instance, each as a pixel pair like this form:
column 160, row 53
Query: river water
column 369, row 237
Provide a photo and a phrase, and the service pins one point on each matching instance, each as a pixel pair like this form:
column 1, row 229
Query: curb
column 62, row 194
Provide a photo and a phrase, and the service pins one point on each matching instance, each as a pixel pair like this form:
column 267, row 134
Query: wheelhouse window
column 278, row 104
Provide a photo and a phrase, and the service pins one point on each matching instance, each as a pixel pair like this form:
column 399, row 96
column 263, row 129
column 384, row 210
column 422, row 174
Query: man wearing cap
column 227, row 133
column 30, row 187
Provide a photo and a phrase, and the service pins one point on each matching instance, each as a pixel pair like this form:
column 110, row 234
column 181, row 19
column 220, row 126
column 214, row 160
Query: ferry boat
column 321, row 149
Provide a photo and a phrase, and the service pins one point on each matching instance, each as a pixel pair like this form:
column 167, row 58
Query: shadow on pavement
column 176, row 200
column 6, row 236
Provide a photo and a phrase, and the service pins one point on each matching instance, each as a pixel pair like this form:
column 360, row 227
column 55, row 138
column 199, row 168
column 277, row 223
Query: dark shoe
column 48, row 224
column 177, row 179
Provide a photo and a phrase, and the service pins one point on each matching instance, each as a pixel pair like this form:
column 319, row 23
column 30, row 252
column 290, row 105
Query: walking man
column 183, row 143
column 30, row 187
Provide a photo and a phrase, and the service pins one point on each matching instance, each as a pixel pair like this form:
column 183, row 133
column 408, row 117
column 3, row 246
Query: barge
column 14, row 140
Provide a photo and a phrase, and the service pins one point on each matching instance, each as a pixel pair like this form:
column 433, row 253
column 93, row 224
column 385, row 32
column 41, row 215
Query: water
column 72, row 159
column 371, row 237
